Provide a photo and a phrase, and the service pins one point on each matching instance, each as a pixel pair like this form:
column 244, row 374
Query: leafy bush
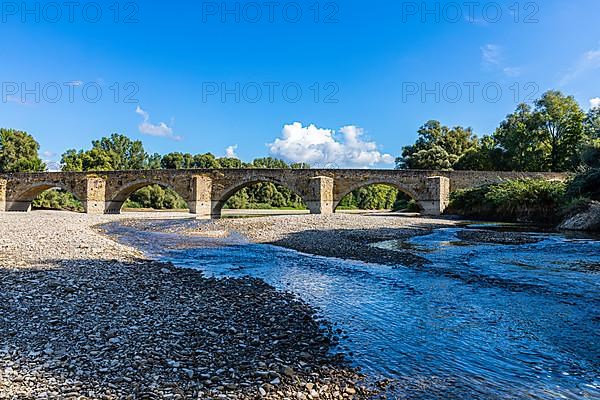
column 265, row 195
column 469, row 202
column 407, row 206
column 156, row 197
column 514, row 200
column 57, row 200
column 590, row 154
column 586, row 184
column 375, row 197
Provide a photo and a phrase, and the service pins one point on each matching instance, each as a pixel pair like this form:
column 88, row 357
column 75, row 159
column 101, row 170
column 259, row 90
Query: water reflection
column 481, row 321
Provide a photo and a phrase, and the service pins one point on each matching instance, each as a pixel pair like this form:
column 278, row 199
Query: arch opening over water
column 57, row 199
column 260, row 196
column 378, row 196
column 147, row 195
column 47, row 196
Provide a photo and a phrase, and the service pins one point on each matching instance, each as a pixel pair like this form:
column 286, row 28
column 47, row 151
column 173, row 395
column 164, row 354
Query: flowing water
column 482, row 321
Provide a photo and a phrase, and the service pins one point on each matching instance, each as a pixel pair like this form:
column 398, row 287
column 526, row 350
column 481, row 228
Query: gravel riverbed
column 82, row 316
column 347, row 236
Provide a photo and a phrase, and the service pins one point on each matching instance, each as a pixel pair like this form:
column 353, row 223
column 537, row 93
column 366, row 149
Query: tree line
column 555, row 134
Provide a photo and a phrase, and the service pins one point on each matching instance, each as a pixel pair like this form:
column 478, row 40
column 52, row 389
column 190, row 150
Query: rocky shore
column 587, row 219
column 84, row 317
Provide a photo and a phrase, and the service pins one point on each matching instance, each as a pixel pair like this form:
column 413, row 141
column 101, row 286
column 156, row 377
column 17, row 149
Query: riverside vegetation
column 531, row 200
column 528, row 200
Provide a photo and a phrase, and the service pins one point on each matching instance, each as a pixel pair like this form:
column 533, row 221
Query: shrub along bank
column 528, row 200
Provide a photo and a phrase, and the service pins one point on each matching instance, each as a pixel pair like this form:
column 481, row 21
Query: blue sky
column 343, row 84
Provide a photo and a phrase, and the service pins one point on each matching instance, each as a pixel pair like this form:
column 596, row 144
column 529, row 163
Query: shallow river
column 483, row 321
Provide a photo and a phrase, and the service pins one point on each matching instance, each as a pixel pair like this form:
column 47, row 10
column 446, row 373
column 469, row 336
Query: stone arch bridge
column 206, row 191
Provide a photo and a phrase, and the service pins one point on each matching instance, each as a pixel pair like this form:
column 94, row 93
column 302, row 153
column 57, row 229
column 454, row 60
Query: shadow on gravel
column 144, row 329
column 355, row 244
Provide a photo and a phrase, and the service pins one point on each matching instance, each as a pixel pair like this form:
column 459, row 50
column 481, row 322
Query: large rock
column 586, row 220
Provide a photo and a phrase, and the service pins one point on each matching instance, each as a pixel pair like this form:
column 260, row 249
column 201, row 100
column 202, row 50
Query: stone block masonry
column 3, row 194
column 207, row 191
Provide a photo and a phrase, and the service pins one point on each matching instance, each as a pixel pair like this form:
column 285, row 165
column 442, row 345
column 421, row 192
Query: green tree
column 300, row 166
column 376, row 197
column 520, row 140
column 19, row 152
column 590, row 154
column 431, row 159
column 437, row 147
column 592, row 123
column 230, row 163
column 585, row 185
column 560, row 120
column 72, row 160
column 155, row 197
column 175, row 161
column 206, row 161
column 154, row 161
column 117, row 152
column 125, row 154
column 57, row 200
column 486, row 156
column 269, row 163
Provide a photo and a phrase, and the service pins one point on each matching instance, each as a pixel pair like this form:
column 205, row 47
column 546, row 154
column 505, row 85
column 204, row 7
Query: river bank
column 82, row 316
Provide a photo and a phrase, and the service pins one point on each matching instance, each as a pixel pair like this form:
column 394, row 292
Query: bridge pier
column 94, row 197
column 319, row 198
column 3, row 183
column 436, row 196
column 200, row 203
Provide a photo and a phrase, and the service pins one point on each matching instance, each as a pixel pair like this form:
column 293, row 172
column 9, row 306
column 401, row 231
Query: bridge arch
column 114, row 204
column 23, row 200
column 363, row 184
column 228, row 192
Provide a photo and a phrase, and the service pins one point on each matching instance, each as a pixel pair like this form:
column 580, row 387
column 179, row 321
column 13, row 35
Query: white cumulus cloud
column 148, row 128
column 595, row 102
column 48, row 157
column 491, row 54
column 230, row 151
column 327, row 148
